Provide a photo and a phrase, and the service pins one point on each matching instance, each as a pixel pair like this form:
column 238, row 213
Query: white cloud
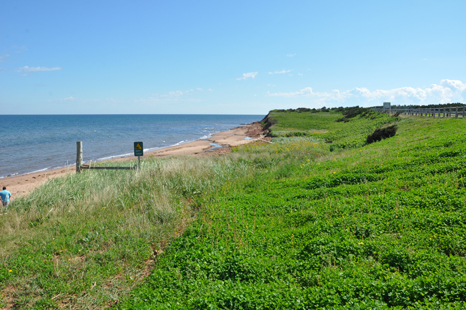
column 300, row 74
column 172, row 96
column 199, row 89
column 176, row 93
column 3, row 57
column 210, row 89
column 30, row 70
column 280, row 72
column 290, row 55
column 446, row 91
column 248, row 75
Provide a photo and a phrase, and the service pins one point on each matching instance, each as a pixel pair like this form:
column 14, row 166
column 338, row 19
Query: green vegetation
column 84, row 240
column 293, row 224
column 379, row 226
column 326, row 126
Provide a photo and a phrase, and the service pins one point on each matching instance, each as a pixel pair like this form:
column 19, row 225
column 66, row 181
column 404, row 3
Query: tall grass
column 85, row 239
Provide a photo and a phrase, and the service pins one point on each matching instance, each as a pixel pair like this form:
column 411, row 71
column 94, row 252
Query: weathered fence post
column 456, row 112
column 79, row 156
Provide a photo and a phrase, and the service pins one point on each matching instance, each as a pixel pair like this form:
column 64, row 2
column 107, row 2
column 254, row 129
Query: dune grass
column 83, row 240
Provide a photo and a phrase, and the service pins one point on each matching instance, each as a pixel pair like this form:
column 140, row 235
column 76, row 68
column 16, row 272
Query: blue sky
column 227, row 57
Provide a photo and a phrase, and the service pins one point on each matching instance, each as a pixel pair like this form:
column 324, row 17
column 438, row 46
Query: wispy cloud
column 290, row 55
column 30, row 70
column 446, row 91
column 248, row 75
column 4, row 56
column 200, row 89
column 19, row 49
column 300, row 74
column 172, row 96
column 210, row 89
column 176, row 93
column 280, row 72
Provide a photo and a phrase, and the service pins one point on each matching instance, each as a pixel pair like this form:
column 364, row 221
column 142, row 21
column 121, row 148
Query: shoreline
column 20, row 185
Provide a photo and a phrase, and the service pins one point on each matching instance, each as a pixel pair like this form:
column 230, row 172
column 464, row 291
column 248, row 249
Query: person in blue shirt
column 5, row 195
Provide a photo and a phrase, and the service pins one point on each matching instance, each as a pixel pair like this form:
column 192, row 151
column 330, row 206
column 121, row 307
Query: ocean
column 30, row 143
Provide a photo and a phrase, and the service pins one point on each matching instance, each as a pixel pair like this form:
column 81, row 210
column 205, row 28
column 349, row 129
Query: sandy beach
column 24, row 184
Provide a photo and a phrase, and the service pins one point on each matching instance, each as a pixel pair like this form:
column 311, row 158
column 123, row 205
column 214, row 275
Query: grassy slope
column 84, row 240
column 373, row 226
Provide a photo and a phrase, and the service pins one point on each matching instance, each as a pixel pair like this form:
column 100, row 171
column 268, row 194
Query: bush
column 382, row 133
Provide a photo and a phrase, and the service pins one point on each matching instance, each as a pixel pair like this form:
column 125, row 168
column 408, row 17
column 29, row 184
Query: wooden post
column 456, row 112
column 79, row 156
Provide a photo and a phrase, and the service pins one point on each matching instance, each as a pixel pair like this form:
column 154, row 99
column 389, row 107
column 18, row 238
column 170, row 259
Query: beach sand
column 24, row 184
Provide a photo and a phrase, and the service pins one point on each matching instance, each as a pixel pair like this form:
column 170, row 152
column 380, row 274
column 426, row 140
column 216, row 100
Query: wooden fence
column 428, row 112
column 80, row 167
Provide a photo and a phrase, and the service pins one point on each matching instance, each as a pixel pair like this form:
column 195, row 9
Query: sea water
column 30, row 143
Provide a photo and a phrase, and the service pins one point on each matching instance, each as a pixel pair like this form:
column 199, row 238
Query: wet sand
column 24, row 184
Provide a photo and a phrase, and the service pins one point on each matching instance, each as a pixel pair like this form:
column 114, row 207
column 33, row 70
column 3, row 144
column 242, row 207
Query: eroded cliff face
column 266, row 123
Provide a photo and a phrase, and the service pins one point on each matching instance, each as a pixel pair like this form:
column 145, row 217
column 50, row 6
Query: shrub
column 382, row 133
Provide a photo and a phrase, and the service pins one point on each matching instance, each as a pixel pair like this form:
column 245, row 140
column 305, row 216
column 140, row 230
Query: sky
column 227, row 57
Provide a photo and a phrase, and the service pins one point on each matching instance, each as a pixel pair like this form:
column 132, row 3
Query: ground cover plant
column 368, row 227
column 297, row 223
column 325, row 125
column 82, row 241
